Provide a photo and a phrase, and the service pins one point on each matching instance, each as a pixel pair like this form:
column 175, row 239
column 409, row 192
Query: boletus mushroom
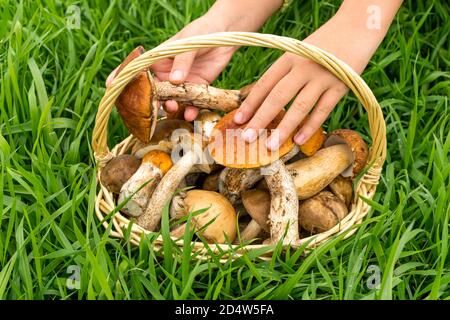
column 143, row 182
column 257, row 204
column 138, row 102
column 311, row 175
column 321, row 212
column 235, row 180
column 342, row 188
column 217, row 224
column 119, row 170
column 192, row 146
column 228, row 148
column 161, row 139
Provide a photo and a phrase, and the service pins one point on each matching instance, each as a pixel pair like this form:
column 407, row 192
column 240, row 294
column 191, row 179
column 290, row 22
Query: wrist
column 241, row 15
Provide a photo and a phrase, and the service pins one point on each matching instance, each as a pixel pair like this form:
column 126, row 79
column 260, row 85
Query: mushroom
column 211, row 181
column 357, row 145
column 161, row 139
column 257, row 204
column 194, row 154
column 342, row 188
column 311, row 175
column 235, row 180
column 118, row 170
column 229, row 149
column 321, row 212
column 217, row 224
column 138, row 107
column 143, row 182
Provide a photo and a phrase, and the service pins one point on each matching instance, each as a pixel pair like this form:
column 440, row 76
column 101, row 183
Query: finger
column 190, row 113
column 260, row 91
column 171, row 106
column 181, row 66
column 111, row 77
column 301, row 106
column 324, row 106
column 280, row 95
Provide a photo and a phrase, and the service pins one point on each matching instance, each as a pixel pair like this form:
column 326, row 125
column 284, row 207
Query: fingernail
column 272, row 144
column 238, row 117
column 249, row 135
column 300, row 138
column 177, row 75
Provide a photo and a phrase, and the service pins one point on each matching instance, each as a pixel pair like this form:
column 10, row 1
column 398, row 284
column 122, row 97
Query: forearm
column 357, row 30
column 242, row 15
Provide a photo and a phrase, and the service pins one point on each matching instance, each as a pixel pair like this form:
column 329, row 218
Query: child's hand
column 316, row 91
column 201, row 66
column 290, row 76
column 205, row 65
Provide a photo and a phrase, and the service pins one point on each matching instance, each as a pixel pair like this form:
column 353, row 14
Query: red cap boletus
column 136, row 104
column 228, row 148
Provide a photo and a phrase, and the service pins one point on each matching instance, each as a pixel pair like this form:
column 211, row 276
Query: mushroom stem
column 143, row 182
column 199, row 95
column 283, row 214
column 233, row 181
column 311, row 175
column 251, row 231
column 165, row 189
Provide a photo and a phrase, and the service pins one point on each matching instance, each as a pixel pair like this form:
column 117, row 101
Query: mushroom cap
column 257, row 203
column 314, row 143
column 228, row 148
column 118, row 171
column 321, row 212
column 356, row 144
column 205, row 122
column 165, row 128
column 342, row 188
column 159, row 159
column 218, row 208
column 136, row 104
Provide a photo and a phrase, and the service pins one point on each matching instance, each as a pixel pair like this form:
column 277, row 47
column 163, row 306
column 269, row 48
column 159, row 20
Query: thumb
column 181, row 66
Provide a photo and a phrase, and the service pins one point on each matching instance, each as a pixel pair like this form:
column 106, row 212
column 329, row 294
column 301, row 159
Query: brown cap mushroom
column 321, row 212
column 138, row 107
column 161, row 139
column 342, row 188
column 257, row 204
column 220, row 217
column 311, row 175
column 211, row 182
column 154, row 165
column 227, row 149
column 356, row 144
column 118, row 170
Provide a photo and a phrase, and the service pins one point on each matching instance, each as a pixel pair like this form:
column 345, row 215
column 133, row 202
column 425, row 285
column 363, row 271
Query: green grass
column 52, row 79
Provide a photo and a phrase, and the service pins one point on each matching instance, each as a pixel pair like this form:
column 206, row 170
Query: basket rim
column 366, row 187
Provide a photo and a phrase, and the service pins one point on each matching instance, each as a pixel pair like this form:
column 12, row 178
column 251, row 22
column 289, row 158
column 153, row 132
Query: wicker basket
column 366, row 186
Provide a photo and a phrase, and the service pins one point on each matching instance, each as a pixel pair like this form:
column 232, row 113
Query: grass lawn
column 52, row 79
